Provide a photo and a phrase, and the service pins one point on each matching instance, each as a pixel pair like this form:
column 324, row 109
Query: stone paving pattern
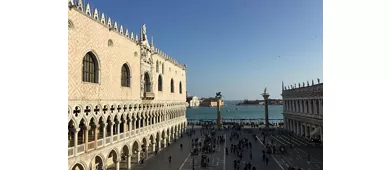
column 182, row 160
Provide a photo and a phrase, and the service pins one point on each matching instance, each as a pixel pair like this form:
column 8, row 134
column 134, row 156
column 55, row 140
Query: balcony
column 148, row 96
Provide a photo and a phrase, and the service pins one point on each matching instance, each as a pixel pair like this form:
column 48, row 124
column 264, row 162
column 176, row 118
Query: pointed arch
column 147, row 83
column 160, row 83
column 172, row 86
column 180, row 89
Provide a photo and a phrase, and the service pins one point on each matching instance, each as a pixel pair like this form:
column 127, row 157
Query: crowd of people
column 240, row 145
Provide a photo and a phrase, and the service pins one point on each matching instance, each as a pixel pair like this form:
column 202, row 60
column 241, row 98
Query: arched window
column 172, row 86
column 157, row 67
column 180, row 87
column 90, row 68
column 125, row 80
column 160, row 83
column 147, row 83
column 163, row 68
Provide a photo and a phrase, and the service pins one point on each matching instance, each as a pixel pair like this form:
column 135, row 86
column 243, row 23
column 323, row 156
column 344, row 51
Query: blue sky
column 231, row 46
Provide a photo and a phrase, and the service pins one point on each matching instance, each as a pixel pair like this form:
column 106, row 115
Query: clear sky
column 231, row 46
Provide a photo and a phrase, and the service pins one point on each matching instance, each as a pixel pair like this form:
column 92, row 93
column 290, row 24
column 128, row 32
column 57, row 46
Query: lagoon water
column 243, row 112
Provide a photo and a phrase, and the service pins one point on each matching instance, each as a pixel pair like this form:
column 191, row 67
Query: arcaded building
column 302, row 109
column 126, row 98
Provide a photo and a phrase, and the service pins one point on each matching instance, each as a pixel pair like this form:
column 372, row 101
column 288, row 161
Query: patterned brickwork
column 87, row 35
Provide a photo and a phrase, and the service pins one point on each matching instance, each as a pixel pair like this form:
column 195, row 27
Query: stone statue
column 303, row 84
column 308, row 83
column 144, row 37
column 318, row 80
column 299, row 85
column 312, row 82
column 218, row 95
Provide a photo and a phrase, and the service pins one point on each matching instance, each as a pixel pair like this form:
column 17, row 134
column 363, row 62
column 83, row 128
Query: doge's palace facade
column 126, row 98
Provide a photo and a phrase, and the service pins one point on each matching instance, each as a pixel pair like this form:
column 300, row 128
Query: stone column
column 159, row 145
column 306, row 130
column 320, row 104
column 86, row 139
column 139, row 122
column 153, row 147
column 96, row 135
column 112, row 132
column 129, row 162
column 118, row 128
column 117, row 166
column 315, row 106
column 76, row 140
column 146, row 151
column 138, row 155
column 265, row 96
column 164, row 142
column 321, row 133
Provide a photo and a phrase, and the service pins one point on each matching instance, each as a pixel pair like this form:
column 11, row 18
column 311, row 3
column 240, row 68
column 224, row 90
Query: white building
column 193, row 101
column 125, row 96
column 302, row 109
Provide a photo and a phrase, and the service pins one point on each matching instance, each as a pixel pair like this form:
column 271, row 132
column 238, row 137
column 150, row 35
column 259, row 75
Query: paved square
column 220, row 160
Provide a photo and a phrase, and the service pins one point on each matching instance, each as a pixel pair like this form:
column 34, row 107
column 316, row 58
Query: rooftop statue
column 144, row 37
column 318, row 80
column 265, row 90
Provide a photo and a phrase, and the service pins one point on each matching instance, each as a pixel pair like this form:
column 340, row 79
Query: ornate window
column 160, row 83
column 90, row 68
column 125, row 80
column 147, row 83
column 162, row 68
column 157, row 67
column 172, row 86
column 180, row 88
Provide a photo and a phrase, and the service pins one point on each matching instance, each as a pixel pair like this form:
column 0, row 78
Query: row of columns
column 302, row 128
column 84, row 134
column 310, row 106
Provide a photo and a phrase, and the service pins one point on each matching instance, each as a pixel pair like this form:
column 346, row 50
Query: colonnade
column 303, row 128
column 309, row 106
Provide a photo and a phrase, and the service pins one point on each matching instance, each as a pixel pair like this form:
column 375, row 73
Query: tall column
column 153, row 147
column 164, row 142
column 218, row 113
column 320, row 104
column 128, row 161
column 315, row 106
column 139, row 122
column 265, row 96
column 76, row 140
